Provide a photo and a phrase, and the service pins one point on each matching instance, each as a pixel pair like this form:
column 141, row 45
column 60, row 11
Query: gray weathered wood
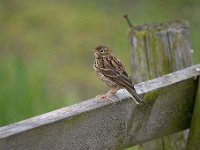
column 118, row 123
column 194, row 136
column 158, row 49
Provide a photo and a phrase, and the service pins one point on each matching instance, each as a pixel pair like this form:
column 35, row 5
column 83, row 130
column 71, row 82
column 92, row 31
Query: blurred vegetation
column 45, row 58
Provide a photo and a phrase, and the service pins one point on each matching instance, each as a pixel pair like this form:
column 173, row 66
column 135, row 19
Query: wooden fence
column 119, row 123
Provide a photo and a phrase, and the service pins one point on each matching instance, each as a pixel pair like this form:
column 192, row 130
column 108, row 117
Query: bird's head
column 101, row 51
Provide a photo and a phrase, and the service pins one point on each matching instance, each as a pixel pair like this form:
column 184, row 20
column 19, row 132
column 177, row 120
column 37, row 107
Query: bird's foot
column 103, row 96
column 108, row 95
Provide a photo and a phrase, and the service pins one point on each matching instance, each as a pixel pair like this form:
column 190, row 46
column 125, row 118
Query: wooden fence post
column 194, row 136
column 155, row 50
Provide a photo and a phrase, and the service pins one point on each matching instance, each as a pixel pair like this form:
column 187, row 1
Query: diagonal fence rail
column 111, row 124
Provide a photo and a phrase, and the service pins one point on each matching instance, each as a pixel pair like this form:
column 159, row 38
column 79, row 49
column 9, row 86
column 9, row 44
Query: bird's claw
column 101, row 96
column 106, row 96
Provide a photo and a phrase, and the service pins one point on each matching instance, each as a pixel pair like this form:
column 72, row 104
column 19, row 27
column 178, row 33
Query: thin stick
column 128, row 21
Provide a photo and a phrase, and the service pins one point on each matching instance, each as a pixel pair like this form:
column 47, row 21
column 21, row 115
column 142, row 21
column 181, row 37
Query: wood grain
column 156, row 50
column 159, row 49
column 110, row 124
column 194, row 136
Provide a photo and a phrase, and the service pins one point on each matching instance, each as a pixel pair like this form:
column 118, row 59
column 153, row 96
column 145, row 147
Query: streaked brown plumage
column 110, row 70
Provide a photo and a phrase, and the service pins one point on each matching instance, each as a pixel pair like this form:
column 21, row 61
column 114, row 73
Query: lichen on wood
column 194, row 136
column 158, row 49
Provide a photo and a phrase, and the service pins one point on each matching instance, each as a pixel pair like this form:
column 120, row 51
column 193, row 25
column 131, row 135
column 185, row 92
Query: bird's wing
column 114, row 70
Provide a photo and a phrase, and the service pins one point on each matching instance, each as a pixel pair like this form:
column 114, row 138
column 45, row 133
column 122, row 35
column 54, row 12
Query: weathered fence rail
column 111, row 124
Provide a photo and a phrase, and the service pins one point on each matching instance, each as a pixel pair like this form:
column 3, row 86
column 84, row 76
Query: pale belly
column 103, row 78
column 106, row 80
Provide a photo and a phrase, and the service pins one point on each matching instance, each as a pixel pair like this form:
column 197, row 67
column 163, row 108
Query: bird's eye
column 102, row 51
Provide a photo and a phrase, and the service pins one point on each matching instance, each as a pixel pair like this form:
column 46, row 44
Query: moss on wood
column 158, row 49
column 151, row 95
column 194, row 137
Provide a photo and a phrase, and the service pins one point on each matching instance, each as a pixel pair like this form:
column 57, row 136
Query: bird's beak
column 92, row 50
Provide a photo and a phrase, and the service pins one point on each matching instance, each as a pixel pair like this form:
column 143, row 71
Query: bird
column 110, row 70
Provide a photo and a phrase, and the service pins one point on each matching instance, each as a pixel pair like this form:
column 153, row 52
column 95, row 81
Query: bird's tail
column 137, row 99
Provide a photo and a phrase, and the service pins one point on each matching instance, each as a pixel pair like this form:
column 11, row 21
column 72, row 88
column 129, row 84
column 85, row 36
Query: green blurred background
column 45, row 58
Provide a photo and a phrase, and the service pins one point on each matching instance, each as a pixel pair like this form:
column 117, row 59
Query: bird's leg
column 114, row 90
column 103, row 96
column 110, row 93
